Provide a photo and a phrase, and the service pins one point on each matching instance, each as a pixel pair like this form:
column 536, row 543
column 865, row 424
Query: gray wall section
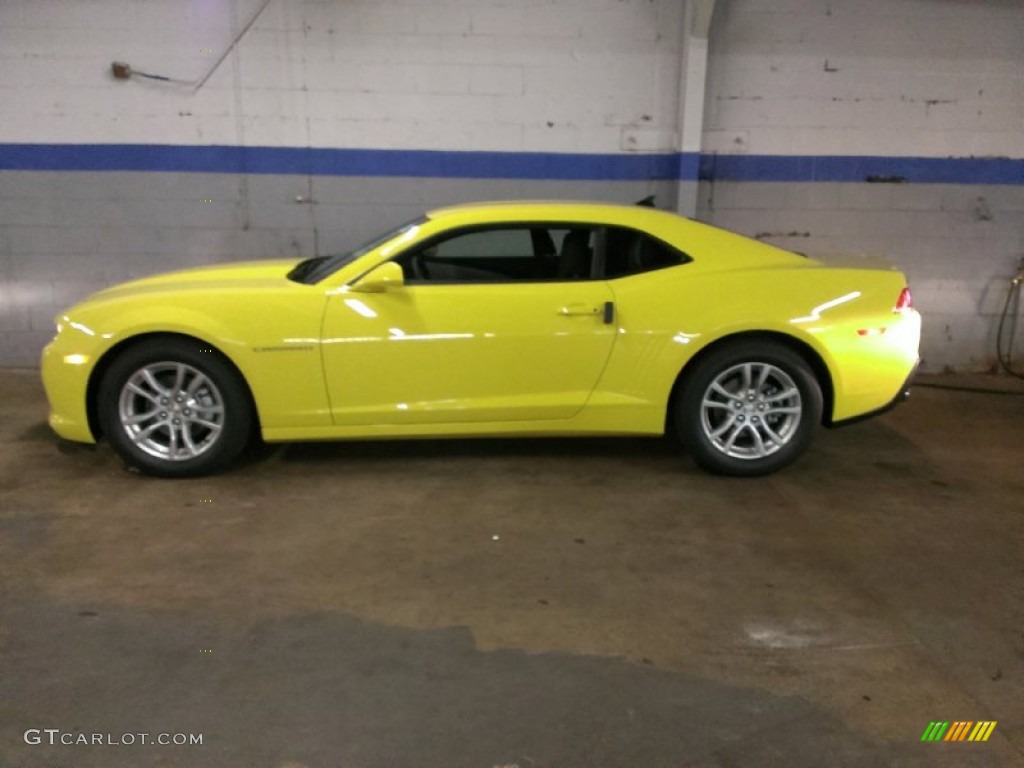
column 64, row 235
column 959, row 246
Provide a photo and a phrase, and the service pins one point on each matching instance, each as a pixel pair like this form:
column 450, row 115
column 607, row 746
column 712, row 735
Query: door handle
column 571, row 310
column 607, row 311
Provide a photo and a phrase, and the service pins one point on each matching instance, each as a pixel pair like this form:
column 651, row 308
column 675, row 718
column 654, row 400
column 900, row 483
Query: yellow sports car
column 522, row 318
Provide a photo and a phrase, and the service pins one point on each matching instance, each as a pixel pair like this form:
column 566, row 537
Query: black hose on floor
column 976, row 390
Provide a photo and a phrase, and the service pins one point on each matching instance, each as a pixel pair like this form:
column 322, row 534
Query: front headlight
column 66, row 345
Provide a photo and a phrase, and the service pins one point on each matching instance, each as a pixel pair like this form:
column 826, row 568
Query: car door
column 487, row 327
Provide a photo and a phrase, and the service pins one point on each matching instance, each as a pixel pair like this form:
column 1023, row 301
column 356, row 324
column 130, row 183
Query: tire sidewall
column 687, row 415
column 237, row 409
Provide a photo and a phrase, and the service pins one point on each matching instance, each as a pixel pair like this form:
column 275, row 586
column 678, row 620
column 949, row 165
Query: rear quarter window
column 631, row 252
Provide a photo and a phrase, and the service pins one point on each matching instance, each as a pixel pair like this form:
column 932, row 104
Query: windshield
column 316, row 269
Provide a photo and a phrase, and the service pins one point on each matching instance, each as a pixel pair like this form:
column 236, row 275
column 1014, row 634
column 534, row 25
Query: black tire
column 749, row 408
column 174, row 407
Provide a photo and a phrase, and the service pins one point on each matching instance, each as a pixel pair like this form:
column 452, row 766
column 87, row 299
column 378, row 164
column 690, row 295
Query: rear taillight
column 905, row 301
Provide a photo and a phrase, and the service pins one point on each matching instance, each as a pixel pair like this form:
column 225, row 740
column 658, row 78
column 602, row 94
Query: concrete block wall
column 102, row 180
column 807, row 99
column 331, row 120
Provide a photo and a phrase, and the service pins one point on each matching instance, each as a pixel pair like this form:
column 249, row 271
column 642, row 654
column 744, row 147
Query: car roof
column 686, row 234
column 550, row 210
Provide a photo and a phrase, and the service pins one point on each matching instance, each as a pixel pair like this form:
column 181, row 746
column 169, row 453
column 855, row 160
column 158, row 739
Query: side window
column 630, row 252
column 524, row 252
column 489, row 244
column 575, row 253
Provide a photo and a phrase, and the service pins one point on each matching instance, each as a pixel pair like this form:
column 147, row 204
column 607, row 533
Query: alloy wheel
column 751, row 410
column 171, row 411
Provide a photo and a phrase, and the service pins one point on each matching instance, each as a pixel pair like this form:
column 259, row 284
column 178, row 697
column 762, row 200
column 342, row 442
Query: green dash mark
column 935, row 731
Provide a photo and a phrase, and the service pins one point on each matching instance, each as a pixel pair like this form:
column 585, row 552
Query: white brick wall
column 811, row 77
column 921, row 78
column 537, row 75
column 867, row 77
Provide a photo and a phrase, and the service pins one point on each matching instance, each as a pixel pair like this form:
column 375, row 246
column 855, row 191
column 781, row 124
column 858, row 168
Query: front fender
column 273, row 341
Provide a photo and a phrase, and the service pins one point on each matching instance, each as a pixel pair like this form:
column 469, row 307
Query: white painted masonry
column 617, row 78
column 917, row 78
column 530, row 75
column 932, row 78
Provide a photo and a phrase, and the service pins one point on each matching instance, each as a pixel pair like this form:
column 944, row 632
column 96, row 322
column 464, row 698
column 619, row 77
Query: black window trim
column 597, row 265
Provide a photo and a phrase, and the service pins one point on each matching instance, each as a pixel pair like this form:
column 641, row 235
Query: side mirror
column 385, row 277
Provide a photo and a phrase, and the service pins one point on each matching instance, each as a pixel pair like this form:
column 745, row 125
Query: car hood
column 216, row 277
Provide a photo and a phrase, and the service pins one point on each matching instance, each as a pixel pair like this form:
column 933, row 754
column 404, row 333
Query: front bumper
column 65, row 374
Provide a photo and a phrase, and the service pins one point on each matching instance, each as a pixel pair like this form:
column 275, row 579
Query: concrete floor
column 522, row 603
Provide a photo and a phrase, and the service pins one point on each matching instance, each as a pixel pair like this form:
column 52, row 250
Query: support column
column 693, row 71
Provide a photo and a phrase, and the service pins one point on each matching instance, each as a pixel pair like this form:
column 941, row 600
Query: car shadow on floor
column 859, row 449
column 455, row 448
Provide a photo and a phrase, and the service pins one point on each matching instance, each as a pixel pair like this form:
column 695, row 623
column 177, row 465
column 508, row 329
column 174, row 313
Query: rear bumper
column 901, row 395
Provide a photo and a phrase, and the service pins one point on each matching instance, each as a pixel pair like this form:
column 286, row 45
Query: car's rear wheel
column 174, row 408
column 749, row 408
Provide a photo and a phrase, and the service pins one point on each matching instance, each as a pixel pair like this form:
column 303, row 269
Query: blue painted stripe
column 554, row 166
column 916, row 170
column 347, row 162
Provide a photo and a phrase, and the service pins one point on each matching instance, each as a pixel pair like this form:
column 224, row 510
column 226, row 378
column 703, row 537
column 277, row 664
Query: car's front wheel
column 174, row 408
column 749, row 408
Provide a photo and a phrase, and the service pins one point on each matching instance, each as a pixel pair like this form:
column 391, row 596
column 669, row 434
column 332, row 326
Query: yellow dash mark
column 982, row 730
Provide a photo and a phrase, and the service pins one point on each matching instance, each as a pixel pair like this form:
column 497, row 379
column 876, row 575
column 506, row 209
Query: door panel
column 432, row 353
